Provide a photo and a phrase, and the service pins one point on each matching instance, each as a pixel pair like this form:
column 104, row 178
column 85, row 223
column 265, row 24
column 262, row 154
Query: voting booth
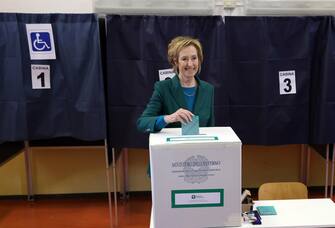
column 195, row 179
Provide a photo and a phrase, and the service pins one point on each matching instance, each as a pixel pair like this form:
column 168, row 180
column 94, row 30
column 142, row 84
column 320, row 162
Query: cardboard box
column 196, row 179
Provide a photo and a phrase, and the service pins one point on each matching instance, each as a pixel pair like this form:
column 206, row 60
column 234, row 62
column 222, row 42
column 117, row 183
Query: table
column 296, row 213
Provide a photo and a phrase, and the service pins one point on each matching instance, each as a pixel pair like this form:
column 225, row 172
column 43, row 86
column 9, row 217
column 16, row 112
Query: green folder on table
column 266, row 210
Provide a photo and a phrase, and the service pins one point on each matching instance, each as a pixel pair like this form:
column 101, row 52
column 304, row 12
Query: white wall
column 233, row 7
column 45, row 6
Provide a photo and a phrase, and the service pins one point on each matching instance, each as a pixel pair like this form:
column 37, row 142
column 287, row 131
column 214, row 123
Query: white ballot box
column 195, row 179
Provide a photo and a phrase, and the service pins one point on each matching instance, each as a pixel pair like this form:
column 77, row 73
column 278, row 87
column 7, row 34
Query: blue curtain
column 260, row 47
column 12, row 95
column 136, row 50
column 323, row 84
column 74, row 106
column 243, row 58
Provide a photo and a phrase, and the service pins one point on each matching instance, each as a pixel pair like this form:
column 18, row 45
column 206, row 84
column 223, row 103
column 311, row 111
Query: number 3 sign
column 287, row 82
column 40, row 76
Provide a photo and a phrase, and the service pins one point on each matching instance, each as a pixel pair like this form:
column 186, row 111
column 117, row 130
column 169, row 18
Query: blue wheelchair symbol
column 40, row 41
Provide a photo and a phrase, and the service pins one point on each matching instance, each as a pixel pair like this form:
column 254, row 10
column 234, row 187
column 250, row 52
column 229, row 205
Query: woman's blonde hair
column 179, row 43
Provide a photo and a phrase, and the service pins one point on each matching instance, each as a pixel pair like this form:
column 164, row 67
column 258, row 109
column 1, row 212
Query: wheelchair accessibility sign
column 40, row 41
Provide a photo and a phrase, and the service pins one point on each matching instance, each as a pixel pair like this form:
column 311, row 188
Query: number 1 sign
column 40, row 76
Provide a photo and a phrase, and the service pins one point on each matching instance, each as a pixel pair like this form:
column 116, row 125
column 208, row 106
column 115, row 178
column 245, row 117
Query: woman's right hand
column 181, row 115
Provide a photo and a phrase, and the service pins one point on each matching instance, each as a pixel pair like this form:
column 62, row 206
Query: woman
column 177, row 100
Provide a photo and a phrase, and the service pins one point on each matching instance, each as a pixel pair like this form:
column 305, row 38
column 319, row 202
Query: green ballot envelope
column 266, row 210
column 191, row 128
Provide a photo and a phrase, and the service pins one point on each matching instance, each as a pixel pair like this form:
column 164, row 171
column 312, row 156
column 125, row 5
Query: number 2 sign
column 287, row 82
column 40, row 76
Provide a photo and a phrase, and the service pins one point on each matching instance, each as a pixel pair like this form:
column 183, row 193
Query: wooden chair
column 282, row 190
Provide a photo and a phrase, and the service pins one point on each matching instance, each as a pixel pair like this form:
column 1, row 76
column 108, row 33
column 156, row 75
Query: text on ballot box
column 195, row 179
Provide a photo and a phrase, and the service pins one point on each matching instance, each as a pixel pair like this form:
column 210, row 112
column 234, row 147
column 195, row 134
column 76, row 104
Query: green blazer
column 168, row 97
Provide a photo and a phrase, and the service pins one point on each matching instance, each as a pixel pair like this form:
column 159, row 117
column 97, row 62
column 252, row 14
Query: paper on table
column 266, row 210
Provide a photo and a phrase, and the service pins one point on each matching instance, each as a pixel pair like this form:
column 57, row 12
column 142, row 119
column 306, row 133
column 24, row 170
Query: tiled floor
column 82, row 212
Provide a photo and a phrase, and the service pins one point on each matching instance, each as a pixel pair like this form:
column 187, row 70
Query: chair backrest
column 282, row 190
